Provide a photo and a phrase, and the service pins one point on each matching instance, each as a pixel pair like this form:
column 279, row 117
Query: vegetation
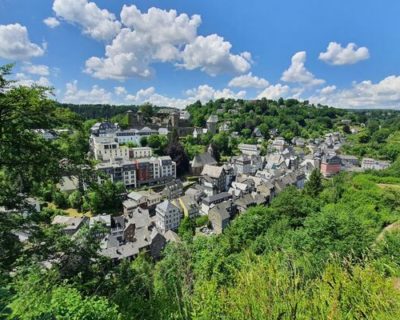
column 317, row 253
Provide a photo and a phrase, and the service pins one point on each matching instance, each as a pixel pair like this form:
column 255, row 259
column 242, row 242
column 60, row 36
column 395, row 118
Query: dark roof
column 201, row 160
column 217, row 197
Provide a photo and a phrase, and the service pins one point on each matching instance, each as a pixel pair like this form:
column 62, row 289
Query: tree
column 147, row 110
column 314, row 185
column 177, row 153
column 186, row 229
column 346, row 129
column 143, row 141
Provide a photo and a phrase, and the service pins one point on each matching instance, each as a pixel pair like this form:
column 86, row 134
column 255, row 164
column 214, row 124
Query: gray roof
column 213, row 118
column 69, row 183
column 201, row 160
column 217, row 197
column 221, row 210
column 166, row 206
column 212, row 171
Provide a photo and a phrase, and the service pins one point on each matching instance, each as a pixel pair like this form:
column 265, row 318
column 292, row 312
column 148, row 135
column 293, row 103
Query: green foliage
column 201, row 221
column 105, row 197
column 186, row 229
column 158, row 143
column 59, row 303
column 313, row 186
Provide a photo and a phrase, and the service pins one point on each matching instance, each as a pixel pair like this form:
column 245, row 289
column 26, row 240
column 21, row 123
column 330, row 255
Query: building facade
column 168, row 216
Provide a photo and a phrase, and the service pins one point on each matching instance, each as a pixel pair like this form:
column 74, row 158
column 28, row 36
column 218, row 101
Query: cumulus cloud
column 204, row 93
column 51, row 22
column 99, row 24
column 365, row 94
column 21, row 79
column 155, row 36
column 15, row 43
column 212, row 54
column 337, row 55
column 298, row 73
column 73, row 94
column 248, row 81
column 328, row 90
column 120, row 91
column 274, row 92
column 37, row 69
column 160, row 35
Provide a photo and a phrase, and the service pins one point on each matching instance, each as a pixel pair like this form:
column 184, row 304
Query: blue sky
column 341, row 53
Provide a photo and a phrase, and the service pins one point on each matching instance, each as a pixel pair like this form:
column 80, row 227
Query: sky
column 343, row 53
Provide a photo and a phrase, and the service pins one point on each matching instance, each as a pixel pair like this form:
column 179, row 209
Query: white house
column 168, row 216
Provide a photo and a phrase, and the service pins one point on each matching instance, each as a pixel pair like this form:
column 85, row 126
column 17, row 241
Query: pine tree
column 314, row 185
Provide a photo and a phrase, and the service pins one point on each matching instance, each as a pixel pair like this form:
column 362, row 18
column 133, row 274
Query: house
column 330, row 165
column 173, row 189
column 70, row 224
column 208, row 202
column 142, row 199
column 68, row 184
column 242, row 164
column 130, row 235
column 250, row 200
column 146, row 241
column 197, row 132
column 212, row 124
column 249, row 149
column 188, row 205
column 200, row 160
column 279, row 144
column 104, row 219
column 213, row 179
column 298, row 142
column 368, row 163
column 103, row 128
column 239, row 189
column 221, row 214
column 168, row 216
column 348, row 160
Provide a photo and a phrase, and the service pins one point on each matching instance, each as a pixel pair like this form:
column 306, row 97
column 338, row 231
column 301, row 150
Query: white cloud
column 274, row 92
column 248, row 81
column 51, row 22
column 155, row 36
column 99, row 24
column 328, row 90
column 37, row 69
column 95, row 95
column 163, row 36
column 15, row 43
column 204, row 93
column 21, row 79
column 120, row 91
column 365, row 94
column 298, row 73
column 337, row 55
column 212, row 54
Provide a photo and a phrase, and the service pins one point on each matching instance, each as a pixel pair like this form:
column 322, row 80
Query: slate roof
column 201, row 160
column 212, row 171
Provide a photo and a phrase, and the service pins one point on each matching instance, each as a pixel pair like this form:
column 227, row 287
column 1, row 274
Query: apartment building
column 138, row 172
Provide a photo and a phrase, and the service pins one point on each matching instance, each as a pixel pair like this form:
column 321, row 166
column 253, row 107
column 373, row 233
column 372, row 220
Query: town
column 157, row 200
column 199, row 160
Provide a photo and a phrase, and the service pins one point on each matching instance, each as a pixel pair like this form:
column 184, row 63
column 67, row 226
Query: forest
column 328, row 251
